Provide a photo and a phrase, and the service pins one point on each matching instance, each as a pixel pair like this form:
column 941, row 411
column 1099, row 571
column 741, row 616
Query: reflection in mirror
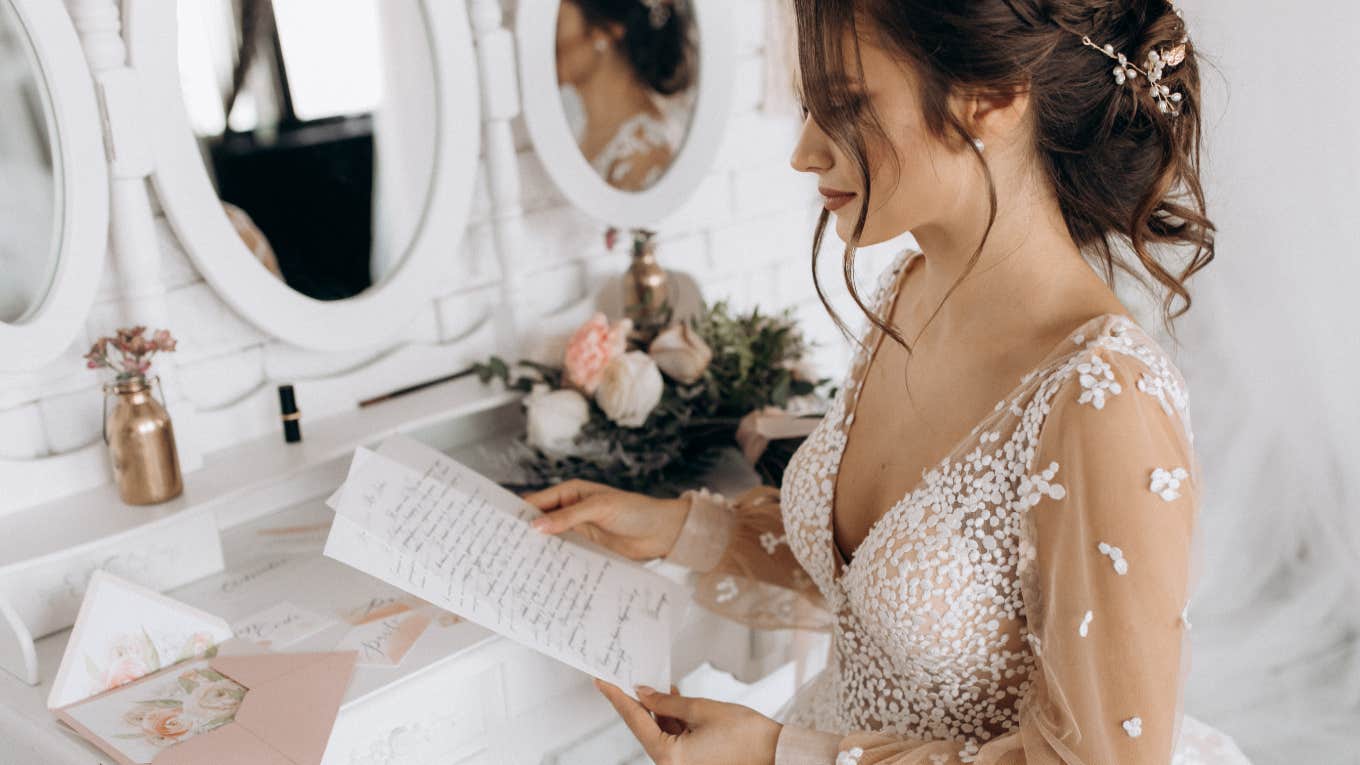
column 29, row 235
column 317, row 122
column 627, row 72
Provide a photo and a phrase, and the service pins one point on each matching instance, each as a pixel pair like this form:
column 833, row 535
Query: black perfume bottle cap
column 292, row 418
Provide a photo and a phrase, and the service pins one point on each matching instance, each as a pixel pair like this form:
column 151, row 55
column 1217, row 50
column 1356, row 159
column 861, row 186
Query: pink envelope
column 286, row 717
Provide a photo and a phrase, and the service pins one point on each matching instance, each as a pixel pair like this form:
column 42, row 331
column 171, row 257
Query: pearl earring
column 978, row 143
column 601, row 45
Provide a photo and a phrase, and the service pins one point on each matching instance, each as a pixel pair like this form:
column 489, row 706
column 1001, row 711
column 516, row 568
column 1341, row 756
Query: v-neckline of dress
column 841, row 567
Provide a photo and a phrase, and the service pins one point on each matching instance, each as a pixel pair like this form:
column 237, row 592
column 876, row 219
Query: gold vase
column 141, row 443
column 645, row 290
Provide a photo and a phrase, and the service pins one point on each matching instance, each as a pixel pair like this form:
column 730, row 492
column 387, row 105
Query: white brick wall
column 744, row 236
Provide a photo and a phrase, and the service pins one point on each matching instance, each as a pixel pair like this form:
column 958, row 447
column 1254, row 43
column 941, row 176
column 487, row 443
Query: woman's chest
column 937, row 574
column 902, row 421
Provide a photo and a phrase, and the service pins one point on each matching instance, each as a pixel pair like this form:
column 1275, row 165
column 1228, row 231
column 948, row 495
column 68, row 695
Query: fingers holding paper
column 564, row 494
column 633, row 525
column 688, row 731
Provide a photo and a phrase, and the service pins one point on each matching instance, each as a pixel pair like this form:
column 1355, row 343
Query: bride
column 995, row 519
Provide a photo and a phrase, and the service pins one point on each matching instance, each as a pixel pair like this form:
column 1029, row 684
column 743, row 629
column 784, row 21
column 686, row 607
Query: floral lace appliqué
column 1167, row 483
column 849, row 756
column 1116, row 556
column 771, row 542
column 1097, row 380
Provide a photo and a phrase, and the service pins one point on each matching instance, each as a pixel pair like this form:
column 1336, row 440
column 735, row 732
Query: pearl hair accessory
column 659, row 11
column 1126, row 72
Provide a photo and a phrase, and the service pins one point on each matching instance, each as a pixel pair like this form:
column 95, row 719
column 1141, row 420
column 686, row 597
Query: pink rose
column 164, row 723
column 124, row 670
column 196, row 644
column 219, row 697
column 591, row 348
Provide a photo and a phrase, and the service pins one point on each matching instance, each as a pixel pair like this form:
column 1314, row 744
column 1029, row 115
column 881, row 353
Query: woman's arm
column 749, row 573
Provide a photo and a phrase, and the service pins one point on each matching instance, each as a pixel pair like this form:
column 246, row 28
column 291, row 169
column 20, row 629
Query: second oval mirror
column 628, row 75
column 626, row 100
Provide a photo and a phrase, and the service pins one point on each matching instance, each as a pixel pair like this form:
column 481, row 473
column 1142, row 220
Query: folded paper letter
column 421, row 521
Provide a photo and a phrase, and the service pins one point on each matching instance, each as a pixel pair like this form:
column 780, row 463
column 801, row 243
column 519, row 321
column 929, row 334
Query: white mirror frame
column 546, row 120
column 80, row 167
column 191, row 203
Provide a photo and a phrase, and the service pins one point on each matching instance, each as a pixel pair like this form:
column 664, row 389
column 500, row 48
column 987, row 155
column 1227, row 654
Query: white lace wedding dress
column 635, row 144
column 1026, row 602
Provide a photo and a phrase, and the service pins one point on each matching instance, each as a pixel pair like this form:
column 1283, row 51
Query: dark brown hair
column 663, row 56
column 1124, row 172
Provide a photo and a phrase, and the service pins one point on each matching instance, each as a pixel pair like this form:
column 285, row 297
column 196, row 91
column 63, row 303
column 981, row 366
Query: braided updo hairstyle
column 661, row 55
column 1125, row 172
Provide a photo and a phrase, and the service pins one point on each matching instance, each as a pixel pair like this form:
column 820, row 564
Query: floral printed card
column 125, row 631
column 141, row 720
column 243, row 706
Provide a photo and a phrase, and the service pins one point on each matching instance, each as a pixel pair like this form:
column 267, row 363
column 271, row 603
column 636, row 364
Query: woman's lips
column 834, row 199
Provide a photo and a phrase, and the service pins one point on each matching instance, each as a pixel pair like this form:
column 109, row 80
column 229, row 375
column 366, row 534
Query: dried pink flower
column 134, row 348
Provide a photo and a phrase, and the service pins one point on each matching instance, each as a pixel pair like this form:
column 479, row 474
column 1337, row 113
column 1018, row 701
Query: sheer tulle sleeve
column 1111, row 500
column 747, row 571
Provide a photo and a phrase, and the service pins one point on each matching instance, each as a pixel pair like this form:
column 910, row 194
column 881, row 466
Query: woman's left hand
column 698, row 731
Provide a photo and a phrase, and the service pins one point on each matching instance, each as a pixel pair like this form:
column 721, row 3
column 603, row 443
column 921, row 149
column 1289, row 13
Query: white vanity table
column 462, row 694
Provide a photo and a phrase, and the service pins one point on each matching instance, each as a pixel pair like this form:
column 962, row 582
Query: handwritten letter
column 423, row 522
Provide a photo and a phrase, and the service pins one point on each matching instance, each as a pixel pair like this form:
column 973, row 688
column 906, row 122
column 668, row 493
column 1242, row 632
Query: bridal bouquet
column 653, row 418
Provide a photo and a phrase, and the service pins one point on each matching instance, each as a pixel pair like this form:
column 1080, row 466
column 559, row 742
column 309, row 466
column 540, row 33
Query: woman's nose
column 812, row 153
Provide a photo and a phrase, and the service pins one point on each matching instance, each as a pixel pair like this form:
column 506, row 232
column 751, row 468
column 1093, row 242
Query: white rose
column 629, row 389
column 681, row 353
column 555, row 417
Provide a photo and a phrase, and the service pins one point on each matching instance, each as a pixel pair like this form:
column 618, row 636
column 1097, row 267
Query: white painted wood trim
column 75, row 128
column 192, row 207
column 536, row 29
column 501, row 105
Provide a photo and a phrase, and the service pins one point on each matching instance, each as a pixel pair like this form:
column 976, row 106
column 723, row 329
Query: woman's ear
column 994, row 117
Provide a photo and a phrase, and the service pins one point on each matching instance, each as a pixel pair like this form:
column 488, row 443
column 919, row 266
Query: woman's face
column 915, row 180
column 577, row 55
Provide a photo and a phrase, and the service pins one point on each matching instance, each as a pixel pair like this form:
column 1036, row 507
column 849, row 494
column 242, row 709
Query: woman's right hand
column 633, row 525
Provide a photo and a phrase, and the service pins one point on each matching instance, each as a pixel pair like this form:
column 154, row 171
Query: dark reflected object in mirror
column 317, row 119
column 627, row 71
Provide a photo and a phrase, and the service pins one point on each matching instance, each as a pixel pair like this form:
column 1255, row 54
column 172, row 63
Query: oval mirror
column 53, row 185
column 626, row 100
column 628, row 76
column 30, row 192
column 317, row 156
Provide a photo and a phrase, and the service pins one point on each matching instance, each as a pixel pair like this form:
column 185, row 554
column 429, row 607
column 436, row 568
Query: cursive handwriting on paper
column 423, row 522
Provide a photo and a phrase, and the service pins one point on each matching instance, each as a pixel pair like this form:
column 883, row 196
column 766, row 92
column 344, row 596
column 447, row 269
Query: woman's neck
column 1030, row 274
column 610, row 95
